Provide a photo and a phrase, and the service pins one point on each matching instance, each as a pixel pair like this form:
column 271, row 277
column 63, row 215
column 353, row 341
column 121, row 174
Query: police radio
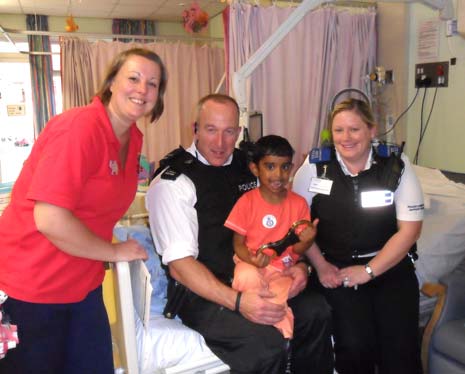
column 386, row 149
column 318, row 155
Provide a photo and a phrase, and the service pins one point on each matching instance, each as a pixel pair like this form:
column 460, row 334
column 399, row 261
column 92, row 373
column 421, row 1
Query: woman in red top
column 55, row 235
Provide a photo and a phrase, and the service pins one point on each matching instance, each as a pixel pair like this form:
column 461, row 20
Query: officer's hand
column 353, row 276
column 328, row 275
column 256, row 307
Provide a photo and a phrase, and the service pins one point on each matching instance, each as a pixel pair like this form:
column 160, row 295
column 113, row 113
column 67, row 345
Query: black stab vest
column 217, row 190
column 345, row 228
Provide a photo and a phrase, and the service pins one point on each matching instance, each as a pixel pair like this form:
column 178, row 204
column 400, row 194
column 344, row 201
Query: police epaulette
column 164, row 162
column 173, row 154
column 170, row 174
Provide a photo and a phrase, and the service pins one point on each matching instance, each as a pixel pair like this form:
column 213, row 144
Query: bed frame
column 124, row 332
column 118, row 289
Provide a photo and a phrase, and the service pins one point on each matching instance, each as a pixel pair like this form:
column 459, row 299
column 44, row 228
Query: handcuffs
column 290, row 238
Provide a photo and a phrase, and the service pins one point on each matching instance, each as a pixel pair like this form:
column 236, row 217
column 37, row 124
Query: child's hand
column 307, row 235
column 260, row 260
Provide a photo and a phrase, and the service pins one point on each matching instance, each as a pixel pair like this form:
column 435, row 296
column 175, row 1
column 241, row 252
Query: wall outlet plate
column 451, row 27
column 433, row 74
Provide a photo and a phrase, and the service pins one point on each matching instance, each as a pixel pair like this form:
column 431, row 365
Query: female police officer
column 370, row 210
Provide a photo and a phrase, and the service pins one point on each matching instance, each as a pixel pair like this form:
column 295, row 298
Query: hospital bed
column 145, row 342
column 441, row 246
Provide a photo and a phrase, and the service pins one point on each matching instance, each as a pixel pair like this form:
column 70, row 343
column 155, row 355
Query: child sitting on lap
column 265, row 215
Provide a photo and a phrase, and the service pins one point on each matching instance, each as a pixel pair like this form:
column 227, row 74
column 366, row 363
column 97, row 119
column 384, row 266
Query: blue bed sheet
column 158, row 277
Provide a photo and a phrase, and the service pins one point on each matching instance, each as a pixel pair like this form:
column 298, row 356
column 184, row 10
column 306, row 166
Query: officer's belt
column 349, row 257
column 363, row 255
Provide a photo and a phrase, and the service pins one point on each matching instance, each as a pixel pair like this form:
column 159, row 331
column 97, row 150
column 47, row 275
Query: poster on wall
column 16, row 110
column 428, row 41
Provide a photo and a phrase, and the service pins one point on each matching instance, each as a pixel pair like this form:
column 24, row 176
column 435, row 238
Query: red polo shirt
column 74, row 164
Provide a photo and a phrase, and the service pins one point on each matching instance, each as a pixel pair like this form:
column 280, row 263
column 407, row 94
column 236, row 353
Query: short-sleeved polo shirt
column 74, row 164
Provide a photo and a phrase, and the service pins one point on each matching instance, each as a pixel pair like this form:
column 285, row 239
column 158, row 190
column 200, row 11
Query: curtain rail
column 7, row 31
column 351, row 4
column 109, row 36
column 343, row 3
column 35, row 53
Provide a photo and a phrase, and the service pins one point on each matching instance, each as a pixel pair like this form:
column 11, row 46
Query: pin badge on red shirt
column 113, row 164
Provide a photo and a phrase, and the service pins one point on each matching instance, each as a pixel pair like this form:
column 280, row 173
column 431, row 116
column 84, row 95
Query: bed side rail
column 125, row 312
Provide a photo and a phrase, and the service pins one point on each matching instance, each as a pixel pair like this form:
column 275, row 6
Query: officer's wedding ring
column 346, row 282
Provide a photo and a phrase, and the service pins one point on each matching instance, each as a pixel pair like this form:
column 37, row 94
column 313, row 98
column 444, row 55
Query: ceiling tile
column 135, row 9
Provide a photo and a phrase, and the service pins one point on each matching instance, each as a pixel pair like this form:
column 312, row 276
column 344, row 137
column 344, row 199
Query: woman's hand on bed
column 129, row 250
column 256, row 307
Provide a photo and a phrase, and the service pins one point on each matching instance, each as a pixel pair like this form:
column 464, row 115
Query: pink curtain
column 225, row 16
column 193, row 71
column 330, row 49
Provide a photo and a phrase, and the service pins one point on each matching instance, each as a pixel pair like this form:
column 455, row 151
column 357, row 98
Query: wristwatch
column 369, row 270
column 308, row 267
column 309, row 270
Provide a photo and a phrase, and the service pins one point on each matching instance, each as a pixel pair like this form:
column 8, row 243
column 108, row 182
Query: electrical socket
column 389, row 76
column 433, row 74
column 451, row 27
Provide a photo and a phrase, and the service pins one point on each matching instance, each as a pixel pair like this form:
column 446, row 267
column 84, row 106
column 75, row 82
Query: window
column 16, row 108
column 16, row 121
column 56, row 63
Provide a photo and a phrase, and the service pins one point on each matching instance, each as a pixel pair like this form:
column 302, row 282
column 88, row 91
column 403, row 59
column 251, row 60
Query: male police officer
column 188, row 203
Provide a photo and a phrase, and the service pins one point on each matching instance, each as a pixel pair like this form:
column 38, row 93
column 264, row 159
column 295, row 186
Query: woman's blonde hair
column 361, row 107
column 104, row 93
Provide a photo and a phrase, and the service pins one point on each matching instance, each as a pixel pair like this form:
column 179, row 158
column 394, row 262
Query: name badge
column 374, row 199
column 320, row 185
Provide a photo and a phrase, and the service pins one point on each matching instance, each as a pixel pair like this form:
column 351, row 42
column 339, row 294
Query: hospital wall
column 443, row 142
column 442, row 146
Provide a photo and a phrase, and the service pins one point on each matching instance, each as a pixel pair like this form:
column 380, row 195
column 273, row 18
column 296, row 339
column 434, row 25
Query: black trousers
column 377, row 325
column 253, row 348
column 72, row 338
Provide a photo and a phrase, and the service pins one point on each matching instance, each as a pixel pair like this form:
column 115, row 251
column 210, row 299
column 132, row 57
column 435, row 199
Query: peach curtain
column 193, row 71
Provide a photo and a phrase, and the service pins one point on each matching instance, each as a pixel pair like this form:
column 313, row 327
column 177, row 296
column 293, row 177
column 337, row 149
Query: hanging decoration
column 71, row 26
column 194, row 19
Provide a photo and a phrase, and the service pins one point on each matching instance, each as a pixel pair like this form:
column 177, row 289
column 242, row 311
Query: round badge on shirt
column 269, row 221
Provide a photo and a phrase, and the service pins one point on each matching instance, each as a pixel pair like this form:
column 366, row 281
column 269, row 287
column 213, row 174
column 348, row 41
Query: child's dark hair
column 271, row 145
